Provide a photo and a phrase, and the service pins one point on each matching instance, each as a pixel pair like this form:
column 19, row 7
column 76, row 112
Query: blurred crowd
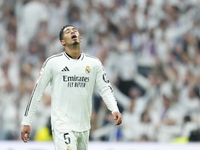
column 150, row 50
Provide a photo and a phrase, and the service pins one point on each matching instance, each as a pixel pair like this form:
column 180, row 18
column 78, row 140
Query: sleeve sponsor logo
column 105, row 78
column 111, row 88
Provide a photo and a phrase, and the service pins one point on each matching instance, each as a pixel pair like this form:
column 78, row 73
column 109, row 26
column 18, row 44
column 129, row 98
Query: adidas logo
column 65, row 69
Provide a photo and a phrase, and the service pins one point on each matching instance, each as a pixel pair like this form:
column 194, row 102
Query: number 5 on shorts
column 67, row 138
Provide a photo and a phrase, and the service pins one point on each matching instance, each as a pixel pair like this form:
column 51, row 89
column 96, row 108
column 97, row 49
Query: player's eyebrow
column 74, row 29
column 68, row 29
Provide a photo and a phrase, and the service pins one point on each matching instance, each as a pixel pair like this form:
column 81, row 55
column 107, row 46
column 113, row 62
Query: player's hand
column 117, row 116
column 25, row 133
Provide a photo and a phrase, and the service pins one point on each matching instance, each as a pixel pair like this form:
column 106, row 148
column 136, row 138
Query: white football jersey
column 72, row 82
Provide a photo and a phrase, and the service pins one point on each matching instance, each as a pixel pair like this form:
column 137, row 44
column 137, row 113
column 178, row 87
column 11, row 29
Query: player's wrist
column 115, row 111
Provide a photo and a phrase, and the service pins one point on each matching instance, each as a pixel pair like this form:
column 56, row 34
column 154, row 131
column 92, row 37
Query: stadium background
column 150, row 50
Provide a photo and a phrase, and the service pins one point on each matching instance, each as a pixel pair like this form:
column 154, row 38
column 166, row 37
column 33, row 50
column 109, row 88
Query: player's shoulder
column 55, row 56
column 52, row 58
column 92, row 58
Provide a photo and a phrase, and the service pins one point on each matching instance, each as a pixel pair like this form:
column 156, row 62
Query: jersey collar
column 69, row 57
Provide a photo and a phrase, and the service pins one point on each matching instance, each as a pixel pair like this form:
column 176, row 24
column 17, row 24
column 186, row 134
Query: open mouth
column 74, row 37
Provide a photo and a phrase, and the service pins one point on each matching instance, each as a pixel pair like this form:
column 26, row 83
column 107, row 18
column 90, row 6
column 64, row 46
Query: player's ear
column 62, row 42
column 80, row 39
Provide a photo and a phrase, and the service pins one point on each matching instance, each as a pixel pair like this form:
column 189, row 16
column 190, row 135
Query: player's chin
column 76, row 43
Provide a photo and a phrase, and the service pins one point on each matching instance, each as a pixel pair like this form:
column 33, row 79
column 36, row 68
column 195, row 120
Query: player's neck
column 74, row 51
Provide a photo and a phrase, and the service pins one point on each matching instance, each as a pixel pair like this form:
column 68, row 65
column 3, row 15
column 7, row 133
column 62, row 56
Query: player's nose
column 72, row 32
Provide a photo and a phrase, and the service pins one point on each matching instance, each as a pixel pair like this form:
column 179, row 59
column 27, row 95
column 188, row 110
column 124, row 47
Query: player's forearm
column 33, row 102
column 109, row 99
column 31, row 107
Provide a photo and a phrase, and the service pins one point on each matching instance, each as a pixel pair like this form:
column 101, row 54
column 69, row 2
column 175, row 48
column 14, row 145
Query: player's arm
column 44, row 78
column 106, row 92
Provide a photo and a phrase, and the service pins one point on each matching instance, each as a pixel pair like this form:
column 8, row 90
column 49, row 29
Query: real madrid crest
column 68, row 147
column 87, row 69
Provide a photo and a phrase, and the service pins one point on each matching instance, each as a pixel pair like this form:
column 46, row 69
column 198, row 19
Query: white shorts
column 70, row 140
